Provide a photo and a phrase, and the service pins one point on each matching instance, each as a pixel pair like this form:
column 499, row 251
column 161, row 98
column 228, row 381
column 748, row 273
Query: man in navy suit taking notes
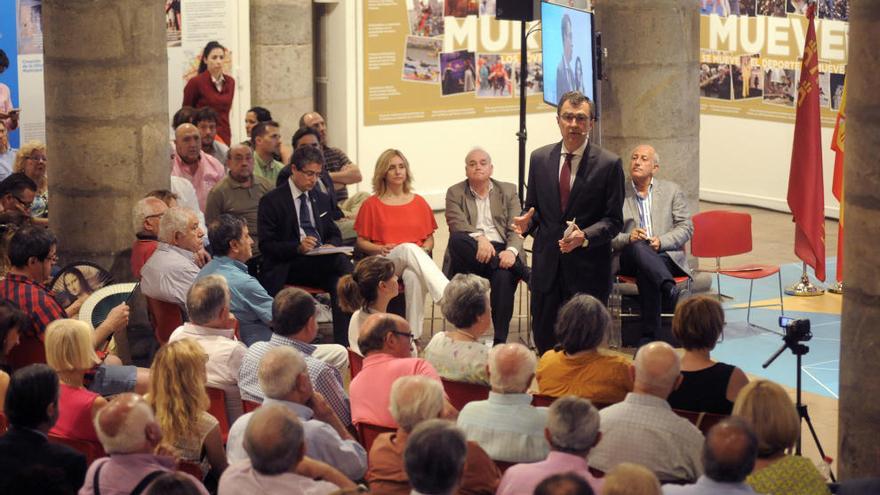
column 293, row 220
column 574, row 208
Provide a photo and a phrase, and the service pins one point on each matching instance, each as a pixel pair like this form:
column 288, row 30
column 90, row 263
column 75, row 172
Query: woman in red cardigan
column 212, row 88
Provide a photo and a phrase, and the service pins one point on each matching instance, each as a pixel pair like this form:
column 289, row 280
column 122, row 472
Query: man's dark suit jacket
column 596, row 205
column 22, row 449
column 279, row 232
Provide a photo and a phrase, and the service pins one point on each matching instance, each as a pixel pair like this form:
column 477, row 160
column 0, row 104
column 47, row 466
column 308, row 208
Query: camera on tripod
column 796, row 330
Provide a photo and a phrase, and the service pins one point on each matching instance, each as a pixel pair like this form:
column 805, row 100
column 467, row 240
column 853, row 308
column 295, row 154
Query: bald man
column 729, row 456
column 193, row 164
column 656, row 226
column 338, row 166
column 643, row 429
column 129, row 433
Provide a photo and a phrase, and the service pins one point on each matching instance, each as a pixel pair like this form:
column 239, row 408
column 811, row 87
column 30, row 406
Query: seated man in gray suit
column 656, row 226
column 479, row 212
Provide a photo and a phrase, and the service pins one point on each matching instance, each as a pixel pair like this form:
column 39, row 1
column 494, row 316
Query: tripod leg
column 805, row 415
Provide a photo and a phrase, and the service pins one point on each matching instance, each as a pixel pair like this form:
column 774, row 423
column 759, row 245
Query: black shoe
column 670, row 294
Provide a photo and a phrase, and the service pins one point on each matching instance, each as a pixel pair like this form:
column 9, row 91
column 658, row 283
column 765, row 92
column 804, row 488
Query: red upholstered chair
column 541, row 400
column 728, row 233
column 218, row 409
column 702, row 420
column 503, row 465
column 685, row 280
column 460, row 393
column 367, row 433
column 4, row 424
column 355, row 363
column 193, row 469
column 165, row 318
column 250, row 406
column 92, row 450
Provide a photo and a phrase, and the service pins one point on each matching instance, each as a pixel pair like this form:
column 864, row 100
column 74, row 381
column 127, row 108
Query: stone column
column 282, row 73
column 651, row 92
column 859, row 340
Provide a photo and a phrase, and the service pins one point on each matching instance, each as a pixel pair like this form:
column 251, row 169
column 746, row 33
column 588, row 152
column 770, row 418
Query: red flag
column 838, row 142
column 806, row 195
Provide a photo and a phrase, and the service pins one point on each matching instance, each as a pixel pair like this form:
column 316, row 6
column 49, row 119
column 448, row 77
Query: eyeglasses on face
column 310, row 174
column 27, row 205
column 580, row 118
column 404, row 334
column 37, row 158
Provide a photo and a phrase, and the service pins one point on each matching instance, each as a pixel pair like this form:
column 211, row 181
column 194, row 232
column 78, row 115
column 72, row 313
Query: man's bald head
column 375, row 331
column 274, row 439
column 657, row 369
column 188, row 143
column 126, row 425
column 511, row 368
column 316, row 121
column 730, row 450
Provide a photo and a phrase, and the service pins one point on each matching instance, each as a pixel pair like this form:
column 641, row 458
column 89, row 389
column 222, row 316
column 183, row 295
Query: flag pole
column 804, row 288
column 836, row 287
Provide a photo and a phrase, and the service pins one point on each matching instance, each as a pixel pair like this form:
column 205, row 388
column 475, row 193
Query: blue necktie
column 305, row 218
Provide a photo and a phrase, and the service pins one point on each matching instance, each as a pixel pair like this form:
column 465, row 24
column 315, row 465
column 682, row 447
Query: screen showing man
column 568, row 45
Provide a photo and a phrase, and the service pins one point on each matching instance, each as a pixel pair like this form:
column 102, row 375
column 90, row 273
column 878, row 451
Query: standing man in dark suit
column 574, row 202
column 29, row 462
column 479, row 212
column 656, row 226
column 293, row 220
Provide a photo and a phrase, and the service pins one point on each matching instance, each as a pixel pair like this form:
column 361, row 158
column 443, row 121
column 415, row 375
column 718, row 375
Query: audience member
column 10, row 222
column 563, row 484
column 171, row 270
column 185, row 115
column 386, row 342
column 399, row 224
column 205, row 119
column 728, row 457
column 12, row 321
column 294, row 220
column 32, row 254
column 577, row 366
column 202, row 170
column 435, row 457
column 178, row 396
column 26, row 453
column 7, row 153
column 275, row 443
column 777, row 426
column 147, row 214
column 173, row 484
column 415, row 399
column 239, row 193
column 31, row 160
column 294, row 325
column 266, row 141
column 213, row 327
column 210, row 87
column 656, row 227
column 630, row 479
column 506, row 425
column 706, row 385
column 572, row 431
column 69, row 351
column 643, row 429
column 256, row 115
column 479, row 213
column 339, row 167
column 459, row 354
column 365, row 291
column 285, row 381
column 17, row 193
column 131, row 436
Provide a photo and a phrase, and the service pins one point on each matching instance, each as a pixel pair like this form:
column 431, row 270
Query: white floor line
column 821, row 384
column 822, row 369
column 822, row 362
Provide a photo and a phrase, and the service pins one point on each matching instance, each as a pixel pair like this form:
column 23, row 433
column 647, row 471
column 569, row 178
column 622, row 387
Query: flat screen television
column 568, row 51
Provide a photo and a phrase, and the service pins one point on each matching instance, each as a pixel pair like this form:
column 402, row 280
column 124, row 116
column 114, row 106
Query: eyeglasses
column 157, row 215
column 404, row 334
column 579, row 117
column 310, row 174
column 23, row 203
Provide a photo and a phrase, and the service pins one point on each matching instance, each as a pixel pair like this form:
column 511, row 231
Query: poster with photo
column 836, row 90
column 798, row 7
column 172, row 22
column 487, row 8
column 495, row 79
column 715, row 81
column 458, row 74
column 780, row 86
column 462, row 8
column 425, row 17
column 535, row 75
column 747, row 77
column 422, row 59
column 775, row 8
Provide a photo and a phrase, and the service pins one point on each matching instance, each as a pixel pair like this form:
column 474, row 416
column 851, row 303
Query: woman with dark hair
column 577, row 366
column 365, row 291
column 259, row 114
column 11, row 321
column 8, row 113
column 212, row 88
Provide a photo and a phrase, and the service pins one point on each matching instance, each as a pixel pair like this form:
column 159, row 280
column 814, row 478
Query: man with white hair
column 643, row 429
column 212, row 325
column 414, row 400
column 572, row 431
column 275, row 445
column 146, row 214
column 506, row 425
column 285, row 381
column 130, row 434
column 171, row 271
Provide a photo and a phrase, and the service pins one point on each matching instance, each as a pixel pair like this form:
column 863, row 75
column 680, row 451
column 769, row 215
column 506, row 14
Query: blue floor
column 748, row 348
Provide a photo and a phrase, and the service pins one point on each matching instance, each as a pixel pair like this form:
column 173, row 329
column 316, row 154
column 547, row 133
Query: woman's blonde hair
column 382, row 166
column 23, row 154
column 177, row 388
column 69, row 346
column 771, row 413
column 631, row 479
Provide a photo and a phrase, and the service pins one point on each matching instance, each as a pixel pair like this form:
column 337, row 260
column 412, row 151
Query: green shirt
column 229, row 196
column 268, row 171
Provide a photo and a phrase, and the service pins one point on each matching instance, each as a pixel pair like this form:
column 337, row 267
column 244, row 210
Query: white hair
column 141, row 210
column 174, row 220
column 131, row 436
column 657, row 368
column 279, row 369
column 207, row 296
column 511, row 367
column 415, row 399
column 474, row 149
column 573, row 424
